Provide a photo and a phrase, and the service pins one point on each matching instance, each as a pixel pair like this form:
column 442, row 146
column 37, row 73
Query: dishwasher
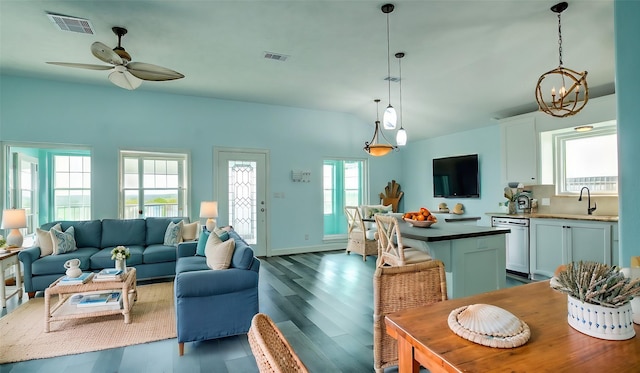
column 517, row 244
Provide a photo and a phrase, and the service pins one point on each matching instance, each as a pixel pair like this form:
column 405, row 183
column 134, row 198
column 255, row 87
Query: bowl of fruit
column 421, row 219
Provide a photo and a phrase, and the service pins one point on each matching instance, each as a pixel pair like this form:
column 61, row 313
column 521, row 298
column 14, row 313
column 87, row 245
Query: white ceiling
column 467, row 62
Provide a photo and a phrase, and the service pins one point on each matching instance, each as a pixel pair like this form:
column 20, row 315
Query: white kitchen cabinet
column 560, row 241
column 519, row 150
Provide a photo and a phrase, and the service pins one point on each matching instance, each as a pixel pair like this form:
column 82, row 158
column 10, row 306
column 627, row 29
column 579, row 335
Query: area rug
column 22, row 335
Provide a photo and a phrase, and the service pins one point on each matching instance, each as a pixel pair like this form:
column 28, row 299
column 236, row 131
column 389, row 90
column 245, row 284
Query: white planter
column 600, row 322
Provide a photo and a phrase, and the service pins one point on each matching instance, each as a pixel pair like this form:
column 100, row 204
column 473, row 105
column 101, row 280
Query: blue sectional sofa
column 215, row 303
column 95, row 239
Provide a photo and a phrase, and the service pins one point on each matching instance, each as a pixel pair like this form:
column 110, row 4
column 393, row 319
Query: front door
column 241, row 194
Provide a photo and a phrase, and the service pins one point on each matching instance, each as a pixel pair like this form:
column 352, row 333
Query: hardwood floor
column 322, row 302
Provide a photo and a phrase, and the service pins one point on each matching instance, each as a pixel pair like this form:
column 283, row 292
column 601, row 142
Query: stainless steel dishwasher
column 517, row 244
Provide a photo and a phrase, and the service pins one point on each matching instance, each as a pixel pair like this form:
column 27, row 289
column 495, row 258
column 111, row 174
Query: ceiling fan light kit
column 128, row 75
column 389, row 118
column 565, row 101
column 374, row 147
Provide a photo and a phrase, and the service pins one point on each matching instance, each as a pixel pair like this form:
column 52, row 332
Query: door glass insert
column 242, row 199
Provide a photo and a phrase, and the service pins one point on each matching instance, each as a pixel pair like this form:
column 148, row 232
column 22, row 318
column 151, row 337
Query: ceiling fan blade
column 124, row 79
column 82, row 65
column 147, row 71
column 105, row 54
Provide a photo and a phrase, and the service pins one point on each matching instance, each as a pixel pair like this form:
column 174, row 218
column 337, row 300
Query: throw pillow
column 189, row 231
column 63, row 242
column 43, row 240
column 222, row 234
column 219, row 254
column 173, row 234
column 202, row 242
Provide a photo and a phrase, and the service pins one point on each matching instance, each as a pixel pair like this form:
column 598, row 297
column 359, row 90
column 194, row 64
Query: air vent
column 275, row 56
column 393, row 79
column 68, row 23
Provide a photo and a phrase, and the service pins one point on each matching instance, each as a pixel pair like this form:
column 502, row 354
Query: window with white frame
column 343, row 185
column 71, row 187
column 586, row 159
column 153, row 184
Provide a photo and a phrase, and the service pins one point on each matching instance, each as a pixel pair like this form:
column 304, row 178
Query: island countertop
column 549, row 215
column 443, row 232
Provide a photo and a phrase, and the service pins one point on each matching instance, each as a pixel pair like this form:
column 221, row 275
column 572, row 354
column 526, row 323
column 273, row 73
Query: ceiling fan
column 128, row 75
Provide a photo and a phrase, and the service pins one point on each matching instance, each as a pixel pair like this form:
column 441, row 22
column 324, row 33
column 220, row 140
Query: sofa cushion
column 159, row 254
column 43, row 240
column 219, row 253
column 63, row 242
column 102, row 259
column 88, row 233
column 129, row 232
column 243, row 254
column 191, row 263
column 156, row 228
column 173, row 234
column 54, row 264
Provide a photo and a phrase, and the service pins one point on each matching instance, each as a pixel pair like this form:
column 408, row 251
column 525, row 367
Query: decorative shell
column 489, row 326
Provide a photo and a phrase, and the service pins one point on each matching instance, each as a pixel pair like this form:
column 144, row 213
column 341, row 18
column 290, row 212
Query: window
column 586, row 159
column 153, row 184
column 343, row 185
column 71, row 187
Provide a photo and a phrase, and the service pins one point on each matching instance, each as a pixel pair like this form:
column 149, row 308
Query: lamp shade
column 14, row 218
column 401, row 137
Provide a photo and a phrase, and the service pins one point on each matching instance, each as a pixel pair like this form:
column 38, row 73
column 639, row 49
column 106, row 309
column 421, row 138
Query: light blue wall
column 627, row 31
column 108, row 119
column 418, row 173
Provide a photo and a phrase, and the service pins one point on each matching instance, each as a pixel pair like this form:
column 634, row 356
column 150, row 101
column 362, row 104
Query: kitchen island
column 474, row 257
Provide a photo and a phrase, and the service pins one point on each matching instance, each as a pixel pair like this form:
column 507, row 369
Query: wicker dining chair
column 391, row 251
column 399, row 288
column 271, row 349
column 357, row 240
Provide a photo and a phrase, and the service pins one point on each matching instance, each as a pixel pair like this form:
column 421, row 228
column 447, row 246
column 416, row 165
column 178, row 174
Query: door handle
column 262, row 209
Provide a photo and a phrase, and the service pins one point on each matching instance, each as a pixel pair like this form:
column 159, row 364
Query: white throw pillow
column 219, row 253
column 43, row 240
column 189, row 231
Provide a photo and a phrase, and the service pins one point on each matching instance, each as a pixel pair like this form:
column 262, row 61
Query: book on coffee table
column 111, row 298
column 109, row 274
column 82, row 279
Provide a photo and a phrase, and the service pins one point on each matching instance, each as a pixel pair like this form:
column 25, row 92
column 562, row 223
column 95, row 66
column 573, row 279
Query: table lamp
column 209, row 210
column 14, row 219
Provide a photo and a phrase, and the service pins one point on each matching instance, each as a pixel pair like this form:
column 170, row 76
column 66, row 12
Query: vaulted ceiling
column 467, row 63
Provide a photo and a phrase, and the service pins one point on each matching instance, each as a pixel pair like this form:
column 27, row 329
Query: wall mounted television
column 456, row 177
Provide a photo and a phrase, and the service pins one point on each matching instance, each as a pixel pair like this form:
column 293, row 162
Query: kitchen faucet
column 590, row 209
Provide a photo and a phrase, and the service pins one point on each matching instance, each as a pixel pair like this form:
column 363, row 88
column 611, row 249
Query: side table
column 7, row 260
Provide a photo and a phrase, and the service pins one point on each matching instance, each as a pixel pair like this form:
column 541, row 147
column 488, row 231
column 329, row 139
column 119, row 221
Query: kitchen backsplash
column 607, row 205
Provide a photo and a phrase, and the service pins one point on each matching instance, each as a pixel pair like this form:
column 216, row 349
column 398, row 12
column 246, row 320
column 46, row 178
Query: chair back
column 271, row 349
column 354, row 220
column 399, row 288
column 390, row 248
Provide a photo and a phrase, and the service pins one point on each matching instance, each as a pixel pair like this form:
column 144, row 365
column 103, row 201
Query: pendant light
column 374, row 147
column 389, row 118
column 401, row 135
column 567, row 101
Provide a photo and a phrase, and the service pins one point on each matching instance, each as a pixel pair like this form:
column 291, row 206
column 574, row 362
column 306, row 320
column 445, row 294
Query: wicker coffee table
column 62, row 310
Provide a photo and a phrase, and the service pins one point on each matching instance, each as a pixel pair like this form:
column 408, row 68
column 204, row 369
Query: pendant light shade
column 401, row 135
column 572, row 90
column 389, row 118
column 374, row 147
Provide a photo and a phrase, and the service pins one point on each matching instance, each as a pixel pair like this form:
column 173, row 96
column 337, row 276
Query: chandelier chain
column 388, row 60
column 560, row 39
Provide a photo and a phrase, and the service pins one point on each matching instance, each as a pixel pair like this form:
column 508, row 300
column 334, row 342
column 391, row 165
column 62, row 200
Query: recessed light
column 583, row 128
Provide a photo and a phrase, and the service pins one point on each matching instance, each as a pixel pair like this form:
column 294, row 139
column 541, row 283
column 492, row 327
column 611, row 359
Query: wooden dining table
column 424, row 338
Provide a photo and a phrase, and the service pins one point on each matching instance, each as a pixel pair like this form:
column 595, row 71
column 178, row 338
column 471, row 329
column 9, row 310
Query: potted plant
column 120, row 254
column 598, row 299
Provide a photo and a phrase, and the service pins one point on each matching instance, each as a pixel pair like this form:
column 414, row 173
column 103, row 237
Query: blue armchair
column 215, row 303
